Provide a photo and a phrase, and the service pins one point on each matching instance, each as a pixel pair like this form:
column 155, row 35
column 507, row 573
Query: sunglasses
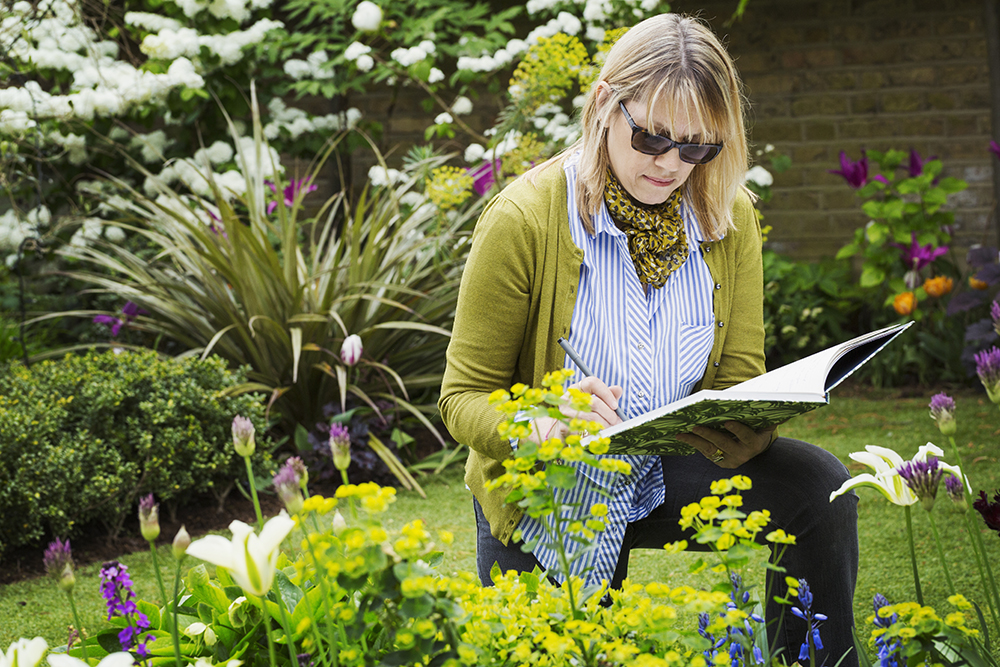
column 656, row 144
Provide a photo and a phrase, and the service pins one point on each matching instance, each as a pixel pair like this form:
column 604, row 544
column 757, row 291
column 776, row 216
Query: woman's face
column 650, row 179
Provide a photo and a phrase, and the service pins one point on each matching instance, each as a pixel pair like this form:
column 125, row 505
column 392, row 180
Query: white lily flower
column 119, row 659
column 249, row 558
column 885, row 462
column 24, row 653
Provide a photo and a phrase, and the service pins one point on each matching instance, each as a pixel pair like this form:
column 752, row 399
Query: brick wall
column 826, row 76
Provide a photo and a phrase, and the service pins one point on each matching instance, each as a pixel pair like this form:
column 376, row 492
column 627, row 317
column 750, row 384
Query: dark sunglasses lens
column 651, row 144
column 699, row 153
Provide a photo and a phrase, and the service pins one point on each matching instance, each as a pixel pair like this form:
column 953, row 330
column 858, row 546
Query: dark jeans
column 793, row 480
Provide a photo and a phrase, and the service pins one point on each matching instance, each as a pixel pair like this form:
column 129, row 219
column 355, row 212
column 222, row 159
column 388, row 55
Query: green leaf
column 873, row 209
column 849, row 250
column 951, row 185
column 871, row 276
column 290, row 593
column 560, row 476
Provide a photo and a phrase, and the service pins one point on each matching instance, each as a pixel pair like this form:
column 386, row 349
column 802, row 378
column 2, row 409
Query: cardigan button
column 718, row 285
column 721, row 325
column 716, row 364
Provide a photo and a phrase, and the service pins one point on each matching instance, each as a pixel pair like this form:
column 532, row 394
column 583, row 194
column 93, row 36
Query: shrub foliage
column 82, row 436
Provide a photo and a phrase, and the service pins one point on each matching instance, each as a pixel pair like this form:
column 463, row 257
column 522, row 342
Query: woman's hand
column 603, row 403
column 728, row 450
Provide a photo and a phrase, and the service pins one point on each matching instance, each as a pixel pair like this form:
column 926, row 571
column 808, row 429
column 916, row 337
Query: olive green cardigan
column 516, row 299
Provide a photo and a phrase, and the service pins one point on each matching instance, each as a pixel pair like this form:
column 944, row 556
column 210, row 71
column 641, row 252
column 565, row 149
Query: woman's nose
column 670, row 161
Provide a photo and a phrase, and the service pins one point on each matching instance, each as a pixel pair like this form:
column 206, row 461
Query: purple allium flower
column 149, row 518
column 301, row 471
column 58, row 561
column 995, row 148
column 995, row 314
column 956, row 491
column 812, row 618
column 340, row 446
column 922, row 477
column 989, row 510
column 116, row 589
column 916, row 257
column 855, row 173
column 988, row 370
column 290, row 192
column 943, row 412
column 286, row 482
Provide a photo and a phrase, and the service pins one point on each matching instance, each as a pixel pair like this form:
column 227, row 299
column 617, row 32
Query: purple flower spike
column 922, row 477
column 116, row 589
column 988, row 370
column 340, row 446
column 855, row 173
column 943, row 412
column 286, row 482
column 812, row 618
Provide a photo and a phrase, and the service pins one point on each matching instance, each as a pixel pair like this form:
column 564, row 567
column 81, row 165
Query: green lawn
column 36, row 607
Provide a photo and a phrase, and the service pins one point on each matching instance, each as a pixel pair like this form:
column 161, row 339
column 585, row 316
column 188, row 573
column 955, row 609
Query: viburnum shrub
column 83, row 436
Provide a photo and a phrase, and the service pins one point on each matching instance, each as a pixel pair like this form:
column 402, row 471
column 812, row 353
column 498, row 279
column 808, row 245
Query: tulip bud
column 149, row 518
column 243, row 436
column 340, row 446
column 351, row 350
column 181, row 542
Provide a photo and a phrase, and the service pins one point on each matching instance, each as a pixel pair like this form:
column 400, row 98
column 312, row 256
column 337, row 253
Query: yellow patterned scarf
column 655, row 234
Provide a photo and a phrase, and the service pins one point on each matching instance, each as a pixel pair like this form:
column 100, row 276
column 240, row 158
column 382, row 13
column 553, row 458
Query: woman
column 640, row 245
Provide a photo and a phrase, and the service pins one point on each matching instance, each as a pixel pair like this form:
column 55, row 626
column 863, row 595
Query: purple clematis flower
column 855, row 173
column 916, row 164
column 917, row 256
column 483, row 177
column 130, row 311
column 290, row 192
column 995, row 148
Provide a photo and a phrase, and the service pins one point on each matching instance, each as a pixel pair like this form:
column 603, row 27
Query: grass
column 36, row 608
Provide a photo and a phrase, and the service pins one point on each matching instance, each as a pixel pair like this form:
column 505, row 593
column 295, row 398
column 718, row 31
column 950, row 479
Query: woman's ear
column 603, row 93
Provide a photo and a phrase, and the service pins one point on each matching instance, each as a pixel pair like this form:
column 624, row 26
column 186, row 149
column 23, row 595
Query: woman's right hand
column 603, row 403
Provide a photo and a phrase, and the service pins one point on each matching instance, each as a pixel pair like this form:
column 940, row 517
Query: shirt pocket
column 694, row 343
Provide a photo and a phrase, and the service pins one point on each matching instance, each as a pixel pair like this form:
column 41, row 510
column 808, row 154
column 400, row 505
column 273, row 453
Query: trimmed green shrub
column 83, row 436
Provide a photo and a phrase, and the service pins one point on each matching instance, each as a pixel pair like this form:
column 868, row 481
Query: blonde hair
column 679, row 60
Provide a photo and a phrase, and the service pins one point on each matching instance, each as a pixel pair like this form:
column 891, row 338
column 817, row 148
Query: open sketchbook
column 768, row 399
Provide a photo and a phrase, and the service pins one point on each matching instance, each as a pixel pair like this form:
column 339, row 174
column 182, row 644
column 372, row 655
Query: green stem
column 174, row 632
column 253, row 493
column 332, row 658
column 288, row 633
column 79, row 628
column 940, row 550
column 166, row 604
column 913, row 557
column 267, row 633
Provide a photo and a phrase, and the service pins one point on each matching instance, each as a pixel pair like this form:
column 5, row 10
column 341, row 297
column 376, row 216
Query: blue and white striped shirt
column 655, row 346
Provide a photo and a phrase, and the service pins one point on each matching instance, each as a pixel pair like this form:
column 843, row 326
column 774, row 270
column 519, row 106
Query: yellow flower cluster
column 548, row 71
column 922, row 623
column 527, row 153
column 448, row 187
column 374, row 498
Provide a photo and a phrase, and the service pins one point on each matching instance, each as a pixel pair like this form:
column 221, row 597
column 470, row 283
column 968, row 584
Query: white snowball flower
column 356, row 50
column 381, row 177
column 219, row 152
column 364, row 63
column 461, row 106
column 649, row 5
column 412, row 199
column 595, row 33
column 151, row 145
column 367, row 17
column 427, row 46
column 114, row 234
column 474, row 153
column 569, row 23
column 443, row 119
column 151, row 22
column 435, row 75
column 297, row 69
column 759, row 175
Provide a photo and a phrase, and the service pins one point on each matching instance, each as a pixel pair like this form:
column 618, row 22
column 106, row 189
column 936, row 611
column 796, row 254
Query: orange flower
column 975, row 283
column 904, row 303
column 938, row 286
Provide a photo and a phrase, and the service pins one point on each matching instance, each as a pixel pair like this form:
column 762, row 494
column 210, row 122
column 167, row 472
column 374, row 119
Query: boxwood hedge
column 83, row 436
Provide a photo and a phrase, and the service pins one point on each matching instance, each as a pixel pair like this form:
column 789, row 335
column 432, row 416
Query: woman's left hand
column 728, row 450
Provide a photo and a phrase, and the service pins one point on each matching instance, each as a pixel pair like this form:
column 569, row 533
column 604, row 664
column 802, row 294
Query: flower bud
column 149, row 518
column 943, row 413
column 243, row 436
column 988, row 369
column 956, row 491
column 912, row 279
column 339, row 523
column 286, row 482
column 340, row 446
column 58, row 561
column 181, row 542
column 351, row 350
